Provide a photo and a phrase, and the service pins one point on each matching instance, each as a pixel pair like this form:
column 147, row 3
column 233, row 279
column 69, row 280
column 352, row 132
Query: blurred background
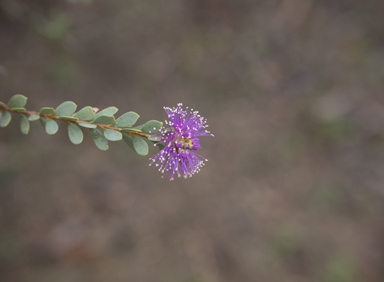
column 294, row 186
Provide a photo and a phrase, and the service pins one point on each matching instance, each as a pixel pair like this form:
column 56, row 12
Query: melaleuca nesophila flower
column 180, row 138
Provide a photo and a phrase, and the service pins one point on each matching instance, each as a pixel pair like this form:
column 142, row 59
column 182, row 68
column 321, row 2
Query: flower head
column 180, row 140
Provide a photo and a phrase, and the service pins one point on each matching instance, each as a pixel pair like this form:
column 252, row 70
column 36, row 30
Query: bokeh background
column 294, row 186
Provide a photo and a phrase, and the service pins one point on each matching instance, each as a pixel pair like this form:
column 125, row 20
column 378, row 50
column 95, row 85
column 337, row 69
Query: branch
column 111, row 129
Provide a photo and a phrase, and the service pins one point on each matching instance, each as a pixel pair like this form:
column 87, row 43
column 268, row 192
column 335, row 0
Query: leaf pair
column 17, row 102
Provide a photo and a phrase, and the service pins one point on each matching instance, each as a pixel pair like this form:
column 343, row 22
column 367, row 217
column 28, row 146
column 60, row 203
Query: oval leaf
column 33, row 117
column 131, row 129
column 43, row 121
column 68, row 118
column 2, row 105
column 104, row 120
column 17, row 101
column 112, row 135
column 128, row 139
column 75, row 134
column 127, row 119
column 24, row 124
column 87, row 125
column 140, row 145
column 17, row 109
column 110, row 111
column 51, row 127
column 66, row 109
column 100, row 141
column 154, row 138
column 151, row 126
column 47, row 111
column 5, row 118
column 86, row 114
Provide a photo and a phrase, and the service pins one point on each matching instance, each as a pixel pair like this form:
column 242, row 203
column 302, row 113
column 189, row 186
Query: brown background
column 294, row 186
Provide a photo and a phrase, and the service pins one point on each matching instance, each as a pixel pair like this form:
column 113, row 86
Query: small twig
column 102, row 126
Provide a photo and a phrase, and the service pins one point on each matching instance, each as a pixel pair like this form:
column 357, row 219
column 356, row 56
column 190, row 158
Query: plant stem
column 102, row 126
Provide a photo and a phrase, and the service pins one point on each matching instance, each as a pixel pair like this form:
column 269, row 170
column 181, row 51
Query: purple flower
column 180, row 141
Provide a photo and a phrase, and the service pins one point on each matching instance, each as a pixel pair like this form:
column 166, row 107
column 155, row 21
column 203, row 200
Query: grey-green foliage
column 127, row 119
column 87, row 125
column 75, row 134
column 154, row 138
column 136, row 143
column 151, row 126
column 112, row 135
column 33, row 117
column 47, row 111
column 50, row 126
column 66, row 109
column 112, row 129
column 110, row 111
column 5, row 118
column 104, row 119
column 86, row 114
column 100, row 141
column 24, row 124
column 140, row 145
column 68, row 118
column 17, row 101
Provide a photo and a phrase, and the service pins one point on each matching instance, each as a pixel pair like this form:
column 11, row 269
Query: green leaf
column 66, row 109
column 47, row 111
column 68, row 118
column 112, row 135
column 43, row 121
column 17, row 101
column 104, row 120
column 154, row 138
column 75, row 134
column 140, row 145
column 33, row 117
column 17, row 109
column 136, row 143
column 5, row 118
column 110, row 111
column 24, row 124
column 2, row 105
column 51, row 127
column 151, row 126
column 131, row 129
column 136, row 128
column 128, row 139
column 86, row 114
column 87, row 125
column 100, row 141
column 127, row 119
